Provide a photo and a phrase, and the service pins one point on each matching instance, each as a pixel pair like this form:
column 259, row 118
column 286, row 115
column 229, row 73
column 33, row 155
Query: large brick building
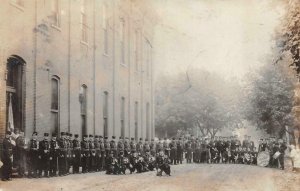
column 81, row 66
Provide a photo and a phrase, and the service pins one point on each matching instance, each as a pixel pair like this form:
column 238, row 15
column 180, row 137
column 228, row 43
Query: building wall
column 50, row 50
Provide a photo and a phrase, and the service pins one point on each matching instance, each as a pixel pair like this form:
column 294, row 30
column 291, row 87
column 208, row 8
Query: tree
column 200, row 101
column 270, row 100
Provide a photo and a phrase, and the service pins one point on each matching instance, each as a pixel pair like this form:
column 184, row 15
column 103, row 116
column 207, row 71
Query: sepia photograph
column 150, row 95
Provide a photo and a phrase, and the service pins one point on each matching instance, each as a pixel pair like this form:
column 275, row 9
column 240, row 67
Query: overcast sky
column 225, row 36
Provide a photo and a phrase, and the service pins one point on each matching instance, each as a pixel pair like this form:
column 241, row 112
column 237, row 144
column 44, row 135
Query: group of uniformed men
column 56, row 156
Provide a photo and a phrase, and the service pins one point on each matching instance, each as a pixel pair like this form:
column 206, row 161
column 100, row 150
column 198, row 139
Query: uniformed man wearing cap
column 107, row 151
column 34, row 156
column 76, row 154
column 126, row 147
column 166, row 147
column 70, row 152
column 139, row 146
column 44, row 149
column 92, row 162
column 102, row 151
column 159, row 146
column 120, row 146
column 62, row 157
column 180, row 148
column 146, row 147
column 21, row 149
column 98, row 153
column 54, row 152
column 152, row 147
column 85, row 154
column 7, row 156
column 132, row 145
column 173, row 153
column 113, row 146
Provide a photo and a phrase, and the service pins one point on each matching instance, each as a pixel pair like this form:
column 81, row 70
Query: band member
column 54, row 152
column 62, row 157
column 139, row 146
column 113, row 145
column 7, row 156
column 162, row 164
column 120, row 146
column 34, row 156
column 159, row 146
column 102, row 151
column 98, row 153
column 92, row 161
column 69, row 152
column 76, row 154
column 180, row 151
column 132, row 145
column 146, row 147
column 21, row 147
column 188, row 148
column 166, row 147
column 152, row 147
column 44, row 149
column 107, row 146
column 85, row 154
column 282, row 148
column 127, row 148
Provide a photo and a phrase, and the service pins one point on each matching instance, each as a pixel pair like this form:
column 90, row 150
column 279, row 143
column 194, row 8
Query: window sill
column 84, row 43
column 105, row 54
column 21, row 8
column 56, row 27
column 54, row 110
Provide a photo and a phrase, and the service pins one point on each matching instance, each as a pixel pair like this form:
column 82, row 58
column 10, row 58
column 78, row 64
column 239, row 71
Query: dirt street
column 216, row 177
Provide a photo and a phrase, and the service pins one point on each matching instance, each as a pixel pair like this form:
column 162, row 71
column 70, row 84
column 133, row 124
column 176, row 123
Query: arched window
column 105, row 114
column 55, row 104
column 83, row 109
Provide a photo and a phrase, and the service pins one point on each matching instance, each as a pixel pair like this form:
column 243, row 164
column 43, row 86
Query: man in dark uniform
column 113, row 146
column 139, row 146
column 120, row 146
column 180, row 148
column 98, row 153
column 62, row 157
column 54, row 152
column 21, row 148
column 146, row 147
column 107, row 146
column 7, row 155
column 159, row 146
column 76, row 154
column 245, row 141
column 132, row 145
column 34, row 156
column 127, row 148
column 152, row 147
column 102, row 151
column 85, row 154
column 166, row 147
column 173, row 153
column 92, row 161
column 70, row 151
column 44, row 149
column 282, row 148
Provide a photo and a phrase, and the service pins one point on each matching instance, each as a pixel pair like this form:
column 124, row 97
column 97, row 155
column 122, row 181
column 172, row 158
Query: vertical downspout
column 94, row 69
column 69, row 69
column 34, row 69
